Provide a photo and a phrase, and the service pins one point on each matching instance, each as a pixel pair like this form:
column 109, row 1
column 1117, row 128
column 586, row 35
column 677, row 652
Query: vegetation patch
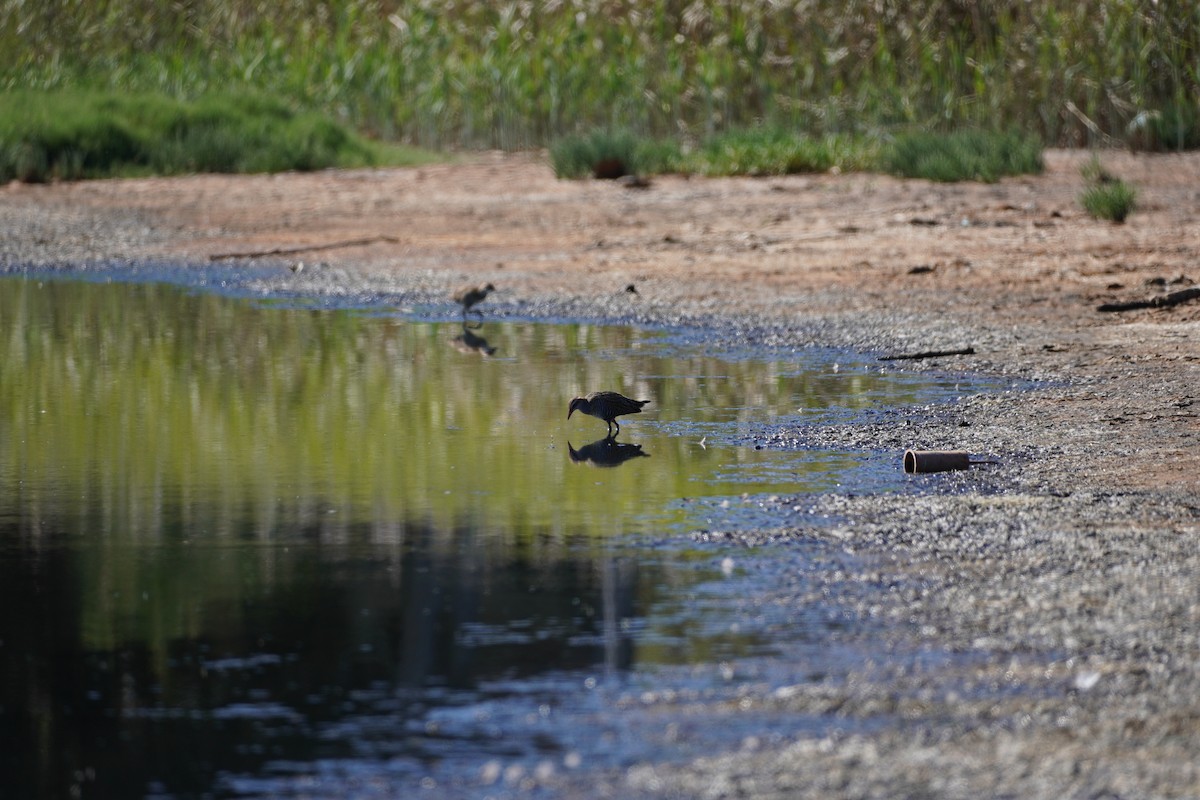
column 1174, row 127
column 594, row 155
column 612, row 154
column 773, row 151
column 967, row 155
column 71, row 135
column 1107, row 196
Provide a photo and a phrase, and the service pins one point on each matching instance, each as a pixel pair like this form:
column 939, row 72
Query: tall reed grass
column 521, row 73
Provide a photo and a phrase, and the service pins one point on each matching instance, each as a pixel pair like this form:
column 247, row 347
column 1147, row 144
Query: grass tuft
column 612, row 154
column 968, row 155
column 1111, row 201
column 1107, row 196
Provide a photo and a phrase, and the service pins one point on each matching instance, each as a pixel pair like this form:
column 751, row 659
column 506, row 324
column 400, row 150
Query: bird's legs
column 466, row 322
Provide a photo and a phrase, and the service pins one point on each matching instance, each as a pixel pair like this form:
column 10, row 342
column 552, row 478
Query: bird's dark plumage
column 470, row 296
column 606, row 406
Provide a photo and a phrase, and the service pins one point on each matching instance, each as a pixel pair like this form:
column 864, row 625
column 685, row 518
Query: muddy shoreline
column 1064, row 581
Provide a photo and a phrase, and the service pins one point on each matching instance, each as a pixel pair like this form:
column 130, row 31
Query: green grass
column 1176, row 127
column 1111, row 201
column 962, row 155
column 754, row 152
column 611, row 154
column 78, row 134
column 1106, row 196
column 519, row 75
column 966, row 155
column 774, row 151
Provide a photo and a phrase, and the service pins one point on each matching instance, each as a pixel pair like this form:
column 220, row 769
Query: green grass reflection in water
column 211, row 509
column 131, row 395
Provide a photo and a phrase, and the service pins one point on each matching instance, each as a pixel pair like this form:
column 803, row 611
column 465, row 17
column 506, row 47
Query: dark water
column 271, row 551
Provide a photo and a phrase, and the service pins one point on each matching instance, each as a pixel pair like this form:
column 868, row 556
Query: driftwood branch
column 304, row 248
column 1163, row 301
column 965, row 351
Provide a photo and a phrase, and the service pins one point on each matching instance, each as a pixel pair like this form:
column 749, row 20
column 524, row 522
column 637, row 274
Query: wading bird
column 470, row 296
column 606, row 406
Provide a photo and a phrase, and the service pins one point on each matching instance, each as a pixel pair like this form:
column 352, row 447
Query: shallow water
column 252, row 549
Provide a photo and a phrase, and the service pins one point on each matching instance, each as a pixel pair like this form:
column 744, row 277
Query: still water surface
column 252, row 550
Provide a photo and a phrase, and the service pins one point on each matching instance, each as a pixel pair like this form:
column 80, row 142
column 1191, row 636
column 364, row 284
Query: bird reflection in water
column 606, row 452
column 470, row 342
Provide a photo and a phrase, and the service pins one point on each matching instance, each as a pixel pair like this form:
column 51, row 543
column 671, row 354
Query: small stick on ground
column 304, row 248
column 1163, row 301
column 965, row 351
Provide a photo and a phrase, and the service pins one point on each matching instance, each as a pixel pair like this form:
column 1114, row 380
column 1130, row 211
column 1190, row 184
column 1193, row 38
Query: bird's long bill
column 570, row 412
